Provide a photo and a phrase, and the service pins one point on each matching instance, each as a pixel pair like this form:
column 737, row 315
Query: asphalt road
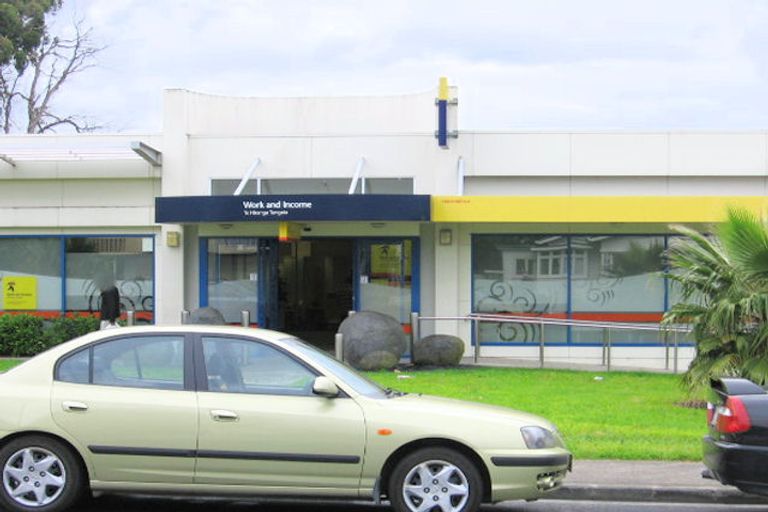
column 131, row 504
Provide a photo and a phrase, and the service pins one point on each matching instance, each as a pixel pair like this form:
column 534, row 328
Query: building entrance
column 315, row 288
column 307, row 287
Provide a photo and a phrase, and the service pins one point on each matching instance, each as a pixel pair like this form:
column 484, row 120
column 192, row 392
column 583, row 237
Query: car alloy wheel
column 435, row 479
column 437, row 483
column 34, row 477
column 39, row 473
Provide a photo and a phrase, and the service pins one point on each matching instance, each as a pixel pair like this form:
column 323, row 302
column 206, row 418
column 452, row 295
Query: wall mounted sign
column 318, row 207
column 19, row 293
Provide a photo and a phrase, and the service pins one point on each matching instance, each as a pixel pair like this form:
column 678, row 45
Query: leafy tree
column 35, row 65
column 22, row 28
column 723, row 281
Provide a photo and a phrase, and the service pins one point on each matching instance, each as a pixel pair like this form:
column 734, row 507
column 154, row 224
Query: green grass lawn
column 6, row 364
column 622, row 416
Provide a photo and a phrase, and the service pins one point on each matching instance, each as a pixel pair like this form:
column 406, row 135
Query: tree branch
column 49, row 66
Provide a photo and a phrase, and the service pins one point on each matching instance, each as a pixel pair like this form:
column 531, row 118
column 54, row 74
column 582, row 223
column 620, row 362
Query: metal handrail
column 538, row 320
column 477, row 318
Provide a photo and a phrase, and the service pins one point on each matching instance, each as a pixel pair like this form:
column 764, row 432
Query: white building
column 301, row 209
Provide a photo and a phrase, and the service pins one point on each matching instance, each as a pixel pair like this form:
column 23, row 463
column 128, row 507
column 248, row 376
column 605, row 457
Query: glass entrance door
column 314, row 292
column 385, row 278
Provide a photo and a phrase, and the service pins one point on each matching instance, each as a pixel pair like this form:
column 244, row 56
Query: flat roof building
column 300, row 210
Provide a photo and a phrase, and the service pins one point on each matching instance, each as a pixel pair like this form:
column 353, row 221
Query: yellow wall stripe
column 666, row 209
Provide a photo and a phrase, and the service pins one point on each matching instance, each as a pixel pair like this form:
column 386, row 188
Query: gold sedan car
column 233, row 411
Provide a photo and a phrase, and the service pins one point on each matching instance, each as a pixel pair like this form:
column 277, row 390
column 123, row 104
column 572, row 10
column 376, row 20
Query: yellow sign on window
column 19, row 293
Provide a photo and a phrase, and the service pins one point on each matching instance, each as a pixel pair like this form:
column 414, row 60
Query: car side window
column 75, row 368
column 155, row 362
column 246, row 366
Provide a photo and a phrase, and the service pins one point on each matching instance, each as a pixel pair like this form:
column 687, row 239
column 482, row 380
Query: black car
column 736, row 449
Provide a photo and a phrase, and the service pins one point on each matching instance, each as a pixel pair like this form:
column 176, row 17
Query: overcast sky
column 519, row 64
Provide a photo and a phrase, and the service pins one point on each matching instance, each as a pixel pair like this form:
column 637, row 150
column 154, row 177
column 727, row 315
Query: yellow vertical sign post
column 19, row 293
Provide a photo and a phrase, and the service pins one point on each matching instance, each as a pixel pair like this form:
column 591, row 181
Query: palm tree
column 723, row 282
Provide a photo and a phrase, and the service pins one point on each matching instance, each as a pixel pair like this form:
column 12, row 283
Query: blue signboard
column 186, row 209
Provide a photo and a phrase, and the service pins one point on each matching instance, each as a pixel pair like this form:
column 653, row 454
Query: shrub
column 21, row 335
column 67, row 328
column 28, row 335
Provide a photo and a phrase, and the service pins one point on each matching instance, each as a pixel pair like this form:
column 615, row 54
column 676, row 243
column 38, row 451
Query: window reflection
column 585, row 277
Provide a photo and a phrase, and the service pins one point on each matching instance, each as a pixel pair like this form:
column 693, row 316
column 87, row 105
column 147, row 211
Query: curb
column 655, row 493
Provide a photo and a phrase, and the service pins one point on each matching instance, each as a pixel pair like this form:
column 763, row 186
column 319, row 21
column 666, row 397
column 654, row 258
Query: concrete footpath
column 676, row 482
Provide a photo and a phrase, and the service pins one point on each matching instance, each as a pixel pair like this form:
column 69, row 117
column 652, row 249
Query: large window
column 624, row 283
column 95, row 263
column 56, row 274
column 233, row 274
column 30, row 274
column 520, row 275
column 583, row 277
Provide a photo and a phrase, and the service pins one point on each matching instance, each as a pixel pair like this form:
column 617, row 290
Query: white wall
column 616, row 154
column 225, row 116
column 76, row 181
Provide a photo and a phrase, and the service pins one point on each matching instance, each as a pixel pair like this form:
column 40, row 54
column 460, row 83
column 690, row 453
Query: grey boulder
column 372, row 341
column 206, row 316
column 438, row 350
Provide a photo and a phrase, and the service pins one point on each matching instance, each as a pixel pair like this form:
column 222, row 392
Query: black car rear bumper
column 736, row 464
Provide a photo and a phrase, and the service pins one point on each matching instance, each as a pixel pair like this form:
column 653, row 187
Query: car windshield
column 359, row 383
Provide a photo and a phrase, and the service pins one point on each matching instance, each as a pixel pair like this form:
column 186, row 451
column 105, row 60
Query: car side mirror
column 323, row 386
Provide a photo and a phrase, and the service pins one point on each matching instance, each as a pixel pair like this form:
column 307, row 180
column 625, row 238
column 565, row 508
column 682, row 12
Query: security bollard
column 339, row 346
column 415, row 333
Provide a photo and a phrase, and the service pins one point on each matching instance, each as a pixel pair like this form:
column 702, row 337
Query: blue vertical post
column 666, row 279
column 569, row 285
column 63, row 271
column 203, row 241
column 442, row 113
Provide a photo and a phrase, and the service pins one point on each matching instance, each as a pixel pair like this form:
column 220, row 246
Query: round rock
column 206, row 316
column 438, row 350
column 372, row 341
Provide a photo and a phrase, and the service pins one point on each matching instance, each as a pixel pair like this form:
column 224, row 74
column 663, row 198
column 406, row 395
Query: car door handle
column 74, row 406
column 223, row 415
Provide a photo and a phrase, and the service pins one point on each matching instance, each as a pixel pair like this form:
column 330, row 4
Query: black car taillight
column 732, row 417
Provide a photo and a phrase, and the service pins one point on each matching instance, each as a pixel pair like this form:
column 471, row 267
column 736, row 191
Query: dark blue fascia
column 315, row 207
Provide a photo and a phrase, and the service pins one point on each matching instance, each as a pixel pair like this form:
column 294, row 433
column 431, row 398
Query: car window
column 245, row 366
column 75, row 368
column 155, row 362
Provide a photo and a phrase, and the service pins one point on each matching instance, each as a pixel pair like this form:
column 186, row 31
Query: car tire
column 48, row 468
column 441, row 475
